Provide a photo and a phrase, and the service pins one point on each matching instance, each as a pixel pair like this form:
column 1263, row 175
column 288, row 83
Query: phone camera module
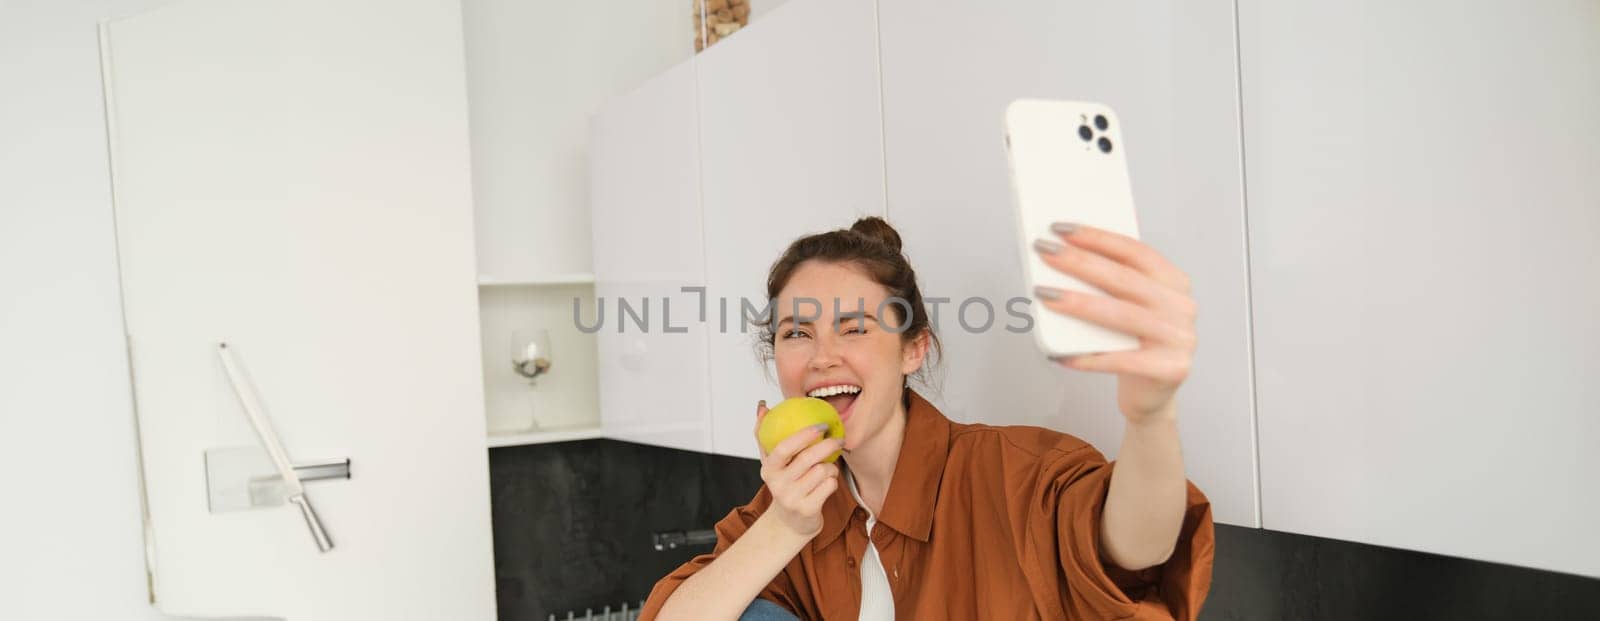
column 1105, row 144
column 1101, row 122
column 1085, row 133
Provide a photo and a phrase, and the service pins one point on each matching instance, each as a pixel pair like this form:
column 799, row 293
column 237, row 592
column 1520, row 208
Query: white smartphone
column 1067, row 165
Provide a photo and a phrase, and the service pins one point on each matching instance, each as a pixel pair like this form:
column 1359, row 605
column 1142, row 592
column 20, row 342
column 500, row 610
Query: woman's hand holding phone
column 1147, row 297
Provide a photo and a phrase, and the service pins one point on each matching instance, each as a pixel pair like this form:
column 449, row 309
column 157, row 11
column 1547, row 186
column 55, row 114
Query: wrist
column 1164, row 416
column 779, row 535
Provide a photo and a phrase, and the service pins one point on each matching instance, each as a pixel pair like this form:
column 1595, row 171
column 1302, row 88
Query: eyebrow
column 842, row 317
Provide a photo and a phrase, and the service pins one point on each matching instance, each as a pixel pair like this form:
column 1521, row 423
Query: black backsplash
column 1263, row 574
column 572, row 525
column 572, row 520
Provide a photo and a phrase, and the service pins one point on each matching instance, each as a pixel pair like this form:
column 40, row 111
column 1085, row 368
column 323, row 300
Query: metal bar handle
column 313, row 522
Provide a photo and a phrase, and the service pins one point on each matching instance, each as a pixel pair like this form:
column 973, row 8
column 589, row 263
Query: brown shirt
column 980, row 522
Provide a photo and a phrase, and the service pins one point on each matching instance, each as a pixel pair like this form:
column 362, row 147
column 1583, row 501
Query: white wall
column 71, row 530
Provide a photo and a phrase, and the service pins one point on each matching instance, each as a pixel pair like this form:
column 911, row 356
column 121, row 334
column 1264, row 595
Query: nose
column 824, row 356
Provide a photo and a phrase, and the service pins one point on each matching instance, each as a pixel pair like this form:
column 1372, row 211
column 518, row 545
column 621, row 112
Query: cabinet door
column 292, row 178
column 791, row 143
column 1167, row 68
column 644, row 172
column 1424, row 218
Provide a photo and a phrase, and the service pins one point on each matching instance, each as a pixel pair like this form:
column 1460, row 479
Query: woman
column 930, row 519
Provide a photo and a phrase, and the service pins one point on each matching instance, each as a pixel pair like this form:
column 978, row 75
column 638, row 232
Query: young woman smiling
column 932, row 519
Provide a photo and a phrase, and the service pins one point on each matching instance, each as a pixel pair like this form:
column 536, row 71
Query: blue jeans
column 765, row 610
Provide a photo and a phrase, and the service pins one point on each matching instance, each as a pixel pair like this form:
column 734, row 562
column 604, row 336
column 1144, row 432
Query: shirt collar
column 915, row 487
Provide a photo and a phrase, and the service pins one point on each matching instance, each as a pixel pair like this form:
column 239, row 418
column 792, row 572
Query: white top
column 877, row 602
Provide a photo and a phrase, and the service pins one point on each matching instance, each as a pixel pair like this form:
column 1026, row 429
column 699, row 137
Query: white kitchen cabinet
column 293, row 178
column 791, row 143
column 645, row 200
column 1424, row 219
column 1167, row 68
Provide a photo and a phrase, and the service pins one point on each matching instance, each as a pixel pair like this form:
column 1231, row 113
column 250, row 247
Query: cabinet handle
column 317, row 531
column 294, row 491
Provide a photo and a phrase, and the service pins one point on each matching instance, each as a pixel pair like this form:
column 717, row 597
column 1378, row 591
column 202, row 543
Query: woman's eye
column 794, row 334
column 856, row 330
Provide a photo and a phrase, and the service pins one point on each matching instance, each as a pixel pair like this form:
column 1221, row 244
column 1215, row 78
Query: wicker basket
column 715, row 20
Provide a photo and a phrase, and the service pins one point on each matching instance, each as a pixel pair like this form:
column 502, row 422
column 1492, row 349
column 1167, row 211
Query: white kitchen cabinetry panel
column 644, row 182
column 1168, row 69
column 645, row 194
column 791, row 143
column 653, row 381
column 295, row 181
column 1424, row 225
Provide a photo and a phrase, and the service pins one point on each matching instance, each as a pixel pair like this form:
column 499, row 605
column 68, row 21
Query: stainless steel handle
column 672, row 539
column 317, row 531
column 274, row 447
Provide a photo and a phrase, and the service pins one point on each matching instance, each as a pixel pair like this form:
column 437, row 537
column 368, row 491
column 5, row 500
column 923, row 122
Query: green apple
column 795, row 414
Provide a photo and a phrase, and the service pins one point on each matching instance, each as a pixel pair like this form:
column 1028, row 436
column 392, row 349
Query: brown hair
column 873, row 246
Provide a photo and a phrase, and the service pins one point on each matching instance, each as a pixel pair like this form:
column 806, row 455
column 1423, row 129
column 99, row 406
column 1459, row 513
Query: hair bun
column 876, row 228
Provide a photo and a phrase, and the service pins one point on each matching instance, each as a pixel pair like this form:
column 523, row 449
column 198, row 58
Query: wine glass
column 530, row 353
column 530, row 358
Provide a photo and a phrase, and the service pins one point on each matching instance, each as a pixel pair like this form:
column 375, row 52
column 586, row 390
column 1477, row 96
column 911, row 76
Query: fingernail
column 1047, row 246
column 762, row 403
column 823, row 428
column 1063, row 228
column 1047, row 293
column 1062, row 359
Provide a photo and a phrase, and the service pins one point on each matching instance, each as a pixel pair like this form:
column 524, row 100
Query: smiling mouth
column 842, row 397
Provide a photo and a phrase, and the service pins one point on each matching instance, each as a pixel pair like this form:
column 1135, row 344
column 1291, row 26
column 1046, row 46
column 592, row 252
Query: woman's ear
column 913, row 353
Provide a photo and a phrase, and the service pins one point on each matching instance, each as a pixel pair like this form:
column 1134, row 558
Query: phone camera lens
column 1101, row 122
column 1105, row 144
column 1085, row 133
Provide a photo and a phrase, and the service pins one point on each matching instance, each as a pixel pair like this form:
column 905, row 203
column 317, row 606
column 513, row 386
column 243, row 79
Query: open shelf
column 564, row 402
column 537, row 281
column 544, row 436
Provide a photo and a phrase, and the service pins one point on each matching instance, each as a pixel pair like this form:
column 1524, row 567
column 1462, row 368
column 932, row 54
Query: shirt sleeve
column 729, row 529
column 1095, row 587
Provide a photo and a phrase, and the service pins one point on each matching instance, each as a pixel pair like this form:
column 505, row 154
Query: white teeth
column 830, row 391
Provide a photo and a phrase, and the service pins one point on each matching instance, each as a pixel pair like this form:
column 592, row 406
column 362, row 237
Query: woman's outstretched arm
column 1148, row 495
column 1147, row 297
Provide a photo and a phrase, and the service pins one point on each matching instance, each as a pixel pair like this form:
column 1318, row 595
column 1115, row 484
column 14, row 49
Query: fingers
column 807, row 494
column 761, row 412
column 1131, row 252
column 814, row 476
column 789, row 463
column 1116, row 279
column 791, row 446
column 813, row 499
column 818, row 452
column 786, row 450
column 813, row 488
column 803, row 484
column 1120, row 315
column 1162, row 365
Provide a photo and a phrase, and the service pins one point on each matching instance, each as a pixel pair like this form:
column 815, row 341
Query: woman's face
column 818, row 350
